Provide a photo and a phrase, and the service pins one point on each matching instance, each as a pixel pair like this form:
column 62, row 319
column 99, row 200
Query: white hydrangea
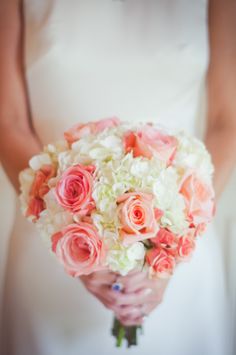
column 37, row 161
column 118, row 176
column 170, row 201
column 174, row 217
column 53, row 218
column 166, row 188
column 57, row 147
column 192, row 154
column 104, row 146
column 26, row 178
column 123, row 259
column 65, row 160
column 105, row 197
column 106, row 223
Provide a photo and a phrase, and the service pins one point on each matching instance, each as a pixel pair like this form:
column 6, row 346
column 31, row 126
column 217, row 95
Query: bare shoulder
column 222, row 66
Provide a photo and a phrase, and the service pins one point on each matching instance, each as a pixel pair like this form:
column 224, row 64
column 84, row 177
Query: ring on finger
column 117, row 286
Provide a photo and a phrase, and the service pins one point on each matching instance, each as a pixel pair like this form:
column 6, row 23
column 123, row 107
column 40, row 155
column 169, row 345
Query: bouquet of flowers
column 121, row 196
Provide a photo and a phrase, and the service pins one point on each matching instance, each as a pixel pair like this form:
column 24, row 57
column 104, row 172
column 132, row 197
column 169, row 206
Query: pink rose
column 165, row 239
column 186, row 245
column 151, row 141
column 38, row 189
column 199, row 199
column 74, row 189
column 79, row 249
column 161, row 262
column 137, row 216
column 83, row 129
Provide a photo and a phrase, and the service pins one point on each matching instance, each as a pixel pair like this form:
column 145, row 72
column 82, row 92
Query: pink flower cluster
column 169, row 248
column 78, row 246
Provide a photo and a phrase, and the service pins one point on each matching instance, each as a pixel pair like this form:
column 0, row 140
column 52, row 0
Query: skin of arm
column 220, row 136
column 18, row 142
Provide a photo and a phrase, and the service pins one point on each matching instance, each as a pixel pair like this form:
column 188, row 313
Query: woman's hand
column 138, row 298
column 141, row 296
column 99, row 284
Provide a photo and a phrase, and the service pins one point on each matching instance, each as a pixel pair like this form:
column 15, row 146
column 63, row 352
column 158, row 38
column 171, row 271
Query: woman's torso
column 136, row 59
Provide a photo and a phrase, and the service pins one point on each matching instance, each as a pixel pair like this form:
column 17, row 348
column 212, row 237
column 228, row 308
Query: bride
column 64, row 62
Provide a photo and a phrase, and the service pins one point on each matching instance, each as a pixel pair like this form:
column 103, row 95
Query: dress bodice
column 136, row 59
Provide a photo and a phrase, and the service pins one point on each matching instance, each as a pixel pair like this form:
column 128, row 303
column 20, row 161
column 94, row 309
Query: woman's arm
column 17, row 140
column 221, row 128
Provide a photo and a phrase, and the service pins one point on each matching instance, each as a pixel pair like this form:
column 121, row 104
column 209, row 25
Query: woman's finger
column 136, row 298
column 133, row 287
column 100, row 277
column 132, row 279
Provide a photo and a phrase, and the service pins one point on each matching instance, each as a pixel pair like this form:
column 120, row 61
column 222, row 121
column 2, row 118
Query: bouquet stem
column 121, row 332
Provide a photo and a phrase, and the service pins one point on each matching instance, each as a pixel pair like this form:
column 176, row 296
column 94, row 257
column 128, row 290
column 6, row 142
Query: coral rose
column 165, row 239
column 83, row 129
column 161, row 263
column 35, row 207
column 199, row 199
column 137, row 216
column 186, row 246
column 38, row 189
column 151, row 141
column 74, row 189
column 79, row 249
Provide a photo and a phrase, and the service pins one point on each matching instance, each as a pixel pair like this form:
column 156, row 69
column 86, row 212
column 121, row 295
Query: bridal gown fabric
column 86, row 60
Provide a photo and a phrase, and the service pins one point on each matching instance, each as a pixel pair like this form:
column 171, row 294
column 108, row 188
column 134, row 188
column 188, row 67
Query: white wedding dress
column 86, row 60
